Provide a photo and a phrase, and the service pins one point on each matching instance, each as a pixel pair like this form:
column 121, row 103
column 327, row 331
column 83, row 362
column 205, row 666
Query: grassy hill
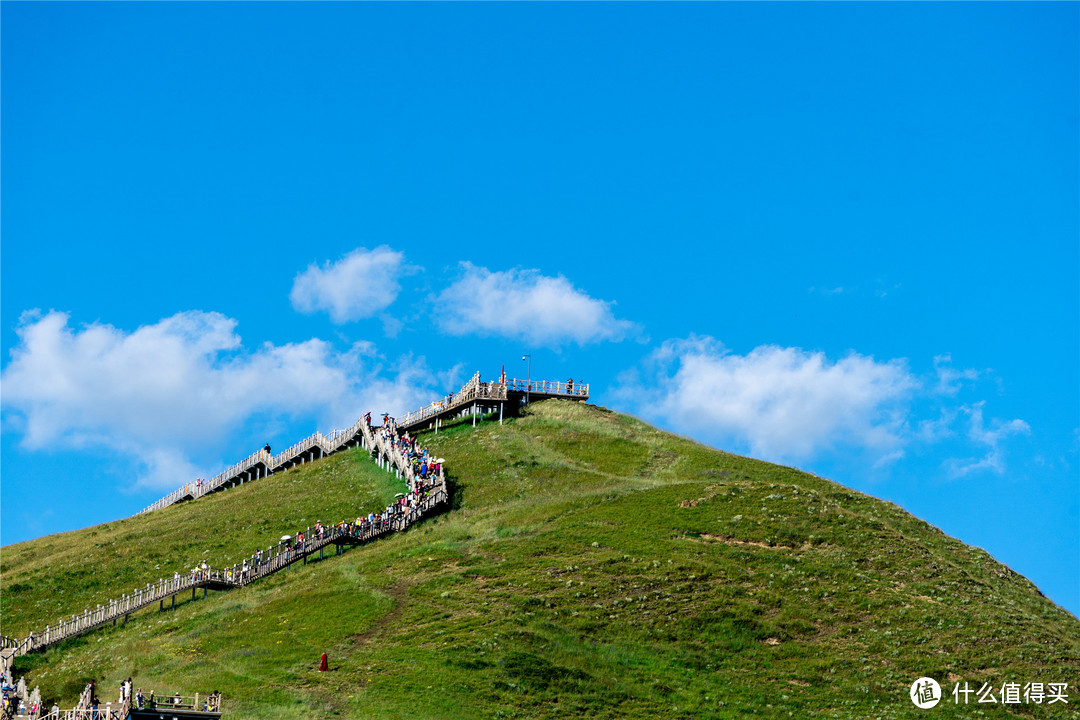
column 592, row 566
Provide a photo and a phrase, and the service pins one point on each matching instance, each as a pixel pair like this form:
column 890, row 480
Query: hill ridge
column 575, row 577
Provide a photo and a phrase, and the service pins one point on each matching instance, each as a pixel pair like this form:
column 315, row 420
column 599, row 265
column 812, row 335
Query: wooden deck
column 479, row 398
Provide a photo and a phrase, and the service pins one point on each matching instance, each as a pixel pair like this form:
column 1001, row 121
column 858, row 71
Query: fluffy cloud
column 526, row 305
column 783, row 404
column 357, row 286
column 779, row 402
column 169, row 394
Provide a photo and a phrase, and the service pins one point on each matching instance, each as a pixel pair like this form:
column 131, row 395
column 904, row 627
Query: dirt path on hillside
column 398, row 592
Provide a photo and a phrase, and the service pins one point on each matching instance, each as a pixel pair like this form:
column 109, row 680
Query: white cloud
column 991, row 438
column 783, row 403
column 780, row 402
column 997, row 431
column 526, row 305
column 949, row 379
column 939, row 429
column 357, row 286
column 168, row 395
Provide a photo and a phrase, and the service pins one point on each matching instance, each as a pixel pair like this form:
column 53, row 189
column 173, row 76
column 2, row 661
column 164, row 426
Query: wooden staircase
column 387, row 455
column 474, row 398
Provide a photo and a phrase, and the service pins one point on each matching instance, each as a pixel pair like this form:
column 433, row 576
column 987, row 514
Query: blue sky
column 838, row 236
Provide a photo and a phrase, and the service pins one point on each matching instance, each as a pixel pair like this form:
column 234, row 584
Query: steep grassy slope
column 593, row 566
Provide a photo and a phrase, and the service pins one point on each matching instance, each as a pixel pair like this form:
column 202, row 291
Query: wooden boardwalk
column 386, row 454
column 478, row 398
column 262, row 463
column 475, row 398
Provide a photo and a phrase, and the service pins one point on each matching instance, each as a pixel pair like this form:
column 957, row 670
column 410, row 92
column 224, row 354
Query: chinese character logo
column 925, row 693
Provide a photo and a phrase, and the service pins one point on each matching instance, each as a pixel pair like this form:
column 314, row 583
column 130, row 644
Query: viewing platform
column 478, row 398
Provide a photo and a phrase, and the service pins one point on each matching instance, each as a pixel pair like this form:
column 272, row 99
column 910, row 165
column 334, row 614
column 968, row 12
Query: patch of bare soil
column 398, row 593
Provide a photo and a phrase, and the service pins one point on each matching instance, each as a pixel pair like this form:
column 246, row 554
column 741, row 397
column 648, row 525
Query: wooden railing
column 84, row 703
column 543, row 387
column 388, row 456
column 328, row 444
column 203, row 702
column 264, row 463
column 470, row 392
column 85, row 710
column 474, row 391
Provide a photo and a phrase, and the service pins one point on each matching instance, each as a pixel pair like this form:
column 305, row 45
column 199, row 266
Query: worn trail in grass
column 592, row 565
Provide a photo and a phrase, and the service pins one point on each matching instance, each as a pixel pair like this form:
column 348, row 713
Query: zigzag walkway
column 474, row 398
column 428, row 494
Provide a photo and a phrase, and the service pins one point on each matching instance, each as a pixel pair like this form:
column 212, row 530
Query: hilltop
column 591, row 566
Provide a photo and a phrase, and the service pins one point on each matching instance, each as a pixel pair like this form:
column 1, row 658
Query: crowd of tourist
column 16, row 699
column 12, row 703
column 18, row 703
column 424, row 465
column 425, row 477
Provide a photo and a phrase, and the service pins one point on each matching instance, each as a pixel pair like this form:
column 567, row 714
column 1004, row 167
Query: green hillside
column 592, row 566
